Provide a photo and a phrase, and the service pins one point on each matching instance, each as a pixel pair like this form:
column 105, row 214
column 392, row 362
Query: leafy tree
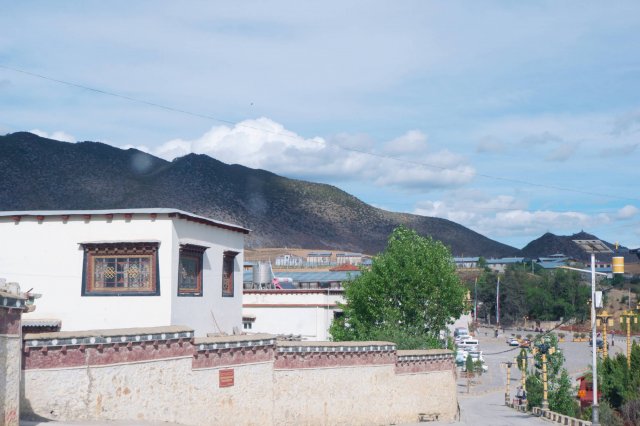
column 561, row 399
column 560, row 392
column 408, row 296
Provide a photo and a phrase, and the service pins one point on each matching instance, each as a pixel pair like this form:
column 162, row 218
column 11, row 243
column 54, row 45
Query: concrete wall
column 308, row 313
column 45, row 255
column 162, row 374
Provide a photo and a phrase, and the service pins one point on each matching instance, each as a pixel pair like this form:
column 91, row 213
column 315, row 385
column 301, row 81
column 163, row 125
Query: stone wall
column 164, row 374
column 11, row 308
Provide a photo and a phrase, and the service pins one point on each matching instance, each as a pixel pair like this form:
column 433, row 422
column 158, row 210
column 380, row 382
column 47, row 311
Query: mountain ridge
column 44, row 174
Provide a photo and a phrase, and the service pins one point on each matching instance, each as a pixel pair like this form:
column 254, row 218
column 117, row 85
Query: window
column 227, row 273
column 120, row 269
column 190, row 270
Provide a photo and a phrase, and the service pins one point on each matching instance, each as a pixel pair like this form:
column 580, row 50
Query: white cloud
column 490, row 144
column 57, row 135
column 563, row 152
column 627, row 212
column 265, row 144
column 505, row 216
column 412, row 142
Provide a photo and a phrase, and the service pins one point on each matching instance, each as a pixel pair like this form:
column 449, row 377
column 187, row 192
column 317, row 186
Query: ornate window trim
column 194, row 254
column 228, row 273
column 132, row 269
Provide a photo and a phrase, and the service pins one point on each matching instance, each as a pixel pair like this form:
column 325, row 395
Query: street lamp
column 627, row 317
column 605, row 319
column 544, row 349
column 507, row 397
column 592, row 247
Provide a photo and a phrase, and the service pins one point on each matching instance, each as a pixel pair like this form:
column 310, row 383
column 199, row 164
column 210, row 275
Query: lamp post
column 544, row 349
column 507, row 396
column 592, row 247
column 604, row 319
column 627, row 317
column 522, row 364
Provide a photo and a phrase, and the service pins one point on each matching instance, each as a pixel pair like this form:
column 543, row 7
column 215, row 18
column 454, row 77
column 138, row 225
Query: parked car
column 477, row 356
column 461, row 357
column 460, row 331
column 599, row 342
column 469, row 344
column 525, row 343
column 460, row 337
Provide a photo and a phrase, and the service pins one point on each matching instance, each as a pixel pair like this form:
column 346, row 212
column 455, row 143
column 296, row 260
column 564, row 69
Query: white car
column 461, row 337
column 477, row 356
column 469, row 344
column 513, row 342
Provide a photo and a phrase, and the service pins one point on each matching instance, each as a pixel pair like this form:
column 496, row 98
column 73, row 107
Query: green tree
column 408, row 296
column 560, row 392
column 561, row 398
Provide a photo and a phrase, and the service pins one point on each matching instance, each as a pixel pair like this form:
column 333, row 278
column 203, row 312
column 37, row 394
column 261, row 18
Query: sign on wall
column 226, row 378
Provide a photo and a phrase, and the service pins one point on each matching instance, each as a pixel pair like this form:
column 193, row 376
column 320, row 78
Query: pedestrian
column 519, row 395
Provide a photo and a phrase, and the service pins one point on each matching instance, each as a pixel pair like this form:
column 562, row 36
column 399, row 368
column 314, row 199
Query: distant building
column 349, row 258
column 500, row 265
column 466, row 262
column 289, row 260
column 304, row 313
column 319, row 259
column 553, row 261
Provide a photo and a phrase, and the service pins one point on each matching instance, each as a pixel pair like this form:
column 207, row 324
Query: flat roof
column 171, row 212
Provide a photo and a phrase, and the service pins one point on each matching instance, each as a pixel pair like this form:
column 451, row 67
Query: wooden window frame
column 228, row 284
column 193, row 252
column 120, row 250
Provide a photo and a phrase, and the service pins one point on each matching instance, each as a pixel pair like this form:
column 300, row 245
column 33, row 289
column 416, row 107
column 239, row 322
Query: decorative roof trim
column 17, row 216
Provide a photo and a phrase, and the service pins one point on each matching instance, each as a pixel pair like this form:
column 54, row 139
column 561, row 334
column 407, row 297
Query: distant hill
column 39, row 173
column 549, row 244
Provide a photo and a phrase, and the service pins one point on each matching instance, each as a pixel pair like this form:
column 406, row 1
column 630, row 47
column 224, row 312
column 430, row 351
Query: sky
column 510, row 118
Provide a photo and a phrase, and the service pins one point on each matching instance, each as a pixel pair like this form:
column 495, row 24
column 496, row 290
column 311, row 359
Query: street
column 484, row 403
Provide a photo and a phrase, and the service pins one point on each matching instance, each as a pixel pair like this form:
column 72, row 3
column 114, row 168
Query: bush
column 631, row 412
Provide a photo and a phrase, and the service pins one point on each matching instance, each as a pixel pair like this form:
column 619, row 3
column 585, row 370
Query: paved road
column 484, row 403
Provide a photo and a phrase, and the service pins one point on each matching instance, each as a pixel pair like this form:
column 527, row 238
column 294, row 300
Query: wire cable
column 237, row 124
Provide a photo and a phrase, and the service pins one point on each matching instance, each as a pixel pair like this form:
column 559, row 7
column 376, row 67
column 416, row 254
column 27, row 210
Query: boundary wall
column 12, row 304
column 559, row 418
column 165, row 374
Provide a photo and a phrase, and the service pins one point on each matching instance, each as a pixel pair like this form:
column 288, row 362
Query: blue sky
column 511, row 118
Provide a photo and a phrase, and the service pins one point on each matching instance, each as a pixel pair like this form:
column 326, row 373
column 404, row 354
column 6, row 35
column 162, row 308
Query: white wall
column 200, row 312
column 47, row 257
column 304, row 312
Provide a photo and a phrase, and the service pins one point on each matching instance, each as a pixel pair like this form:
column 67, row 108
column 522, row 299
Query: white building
column 348, row 258
column 289, row 260
column 100, row 269
column 307, row 313
column 319, row 259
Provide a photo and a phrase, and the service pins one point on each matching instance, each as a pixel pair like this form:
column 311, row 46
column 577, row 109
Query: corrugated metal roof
column 505, row 260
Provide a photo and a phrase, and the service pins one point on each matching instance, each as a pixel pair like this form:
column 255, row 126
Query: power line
column 233, row 123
